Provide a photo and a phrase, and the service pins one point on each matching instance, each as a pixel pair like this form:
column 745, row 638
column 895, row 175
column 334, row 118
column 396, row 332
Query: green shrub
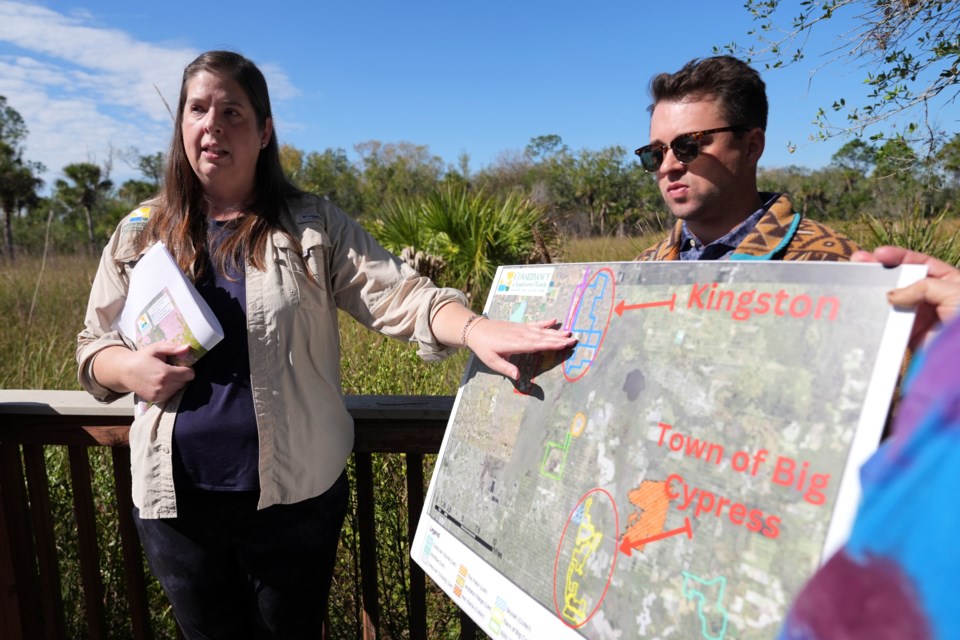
column 933, row 236
column 465, row 236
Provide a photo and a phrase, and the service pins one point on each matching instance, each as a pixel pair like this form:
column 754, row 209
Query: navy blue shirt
column 215, row 445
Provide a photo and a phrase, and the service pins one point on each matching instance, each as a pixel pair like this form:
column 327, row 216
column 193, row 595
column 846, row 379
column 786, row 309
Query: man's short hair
column 738, row 86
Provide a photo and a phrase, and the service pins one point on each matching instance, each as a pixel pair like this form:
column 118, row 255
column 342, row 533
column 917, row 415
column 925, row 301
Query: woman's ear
column 266, row 133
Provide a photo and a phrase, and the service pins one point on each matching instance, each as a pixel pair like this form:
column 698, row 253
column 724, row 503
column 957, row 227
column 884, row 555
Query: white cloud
column 83, row 89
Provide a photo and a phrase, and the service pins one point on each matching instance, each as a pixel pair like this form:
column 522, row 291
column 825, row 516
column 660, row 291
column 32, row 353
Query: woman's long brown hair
column 179, row 219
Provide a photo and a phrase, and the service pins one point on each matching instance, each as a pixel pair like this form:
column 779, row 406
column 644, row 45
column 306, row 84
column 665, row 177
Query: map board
column 681, row 472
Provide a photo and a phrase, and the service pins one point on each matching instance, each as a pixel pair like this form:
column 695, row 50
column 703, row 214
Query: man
column 707, row 135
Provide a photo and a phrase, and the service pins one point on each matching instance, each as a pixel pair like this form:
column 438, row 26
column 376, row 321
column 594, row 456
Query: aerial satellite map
column 684, row 469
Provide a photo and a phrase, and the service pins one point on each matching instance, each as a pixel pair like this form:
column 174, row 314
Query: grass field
column 44, row 303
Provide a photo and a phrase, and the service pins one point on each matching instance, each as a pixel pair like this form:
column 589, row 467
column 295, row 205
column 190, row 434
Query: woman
column 238, row 464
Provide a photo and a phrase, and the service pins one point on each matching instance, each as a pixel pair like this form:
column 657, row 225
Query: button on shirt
column 720, row 249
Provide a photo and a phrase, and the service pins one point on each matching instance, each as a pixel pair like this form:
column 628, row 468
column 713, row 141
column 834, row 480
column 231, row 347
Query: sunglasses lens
column 686, row 149
column 651, row 159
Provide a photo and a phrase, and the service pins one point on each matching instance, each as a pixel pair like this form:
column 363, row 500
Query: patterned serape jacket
column 780, row 234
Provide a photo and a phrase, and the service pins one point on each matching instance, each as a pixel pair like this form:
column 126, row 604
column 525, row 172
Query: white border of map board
column 865, row 439
column 527, row 612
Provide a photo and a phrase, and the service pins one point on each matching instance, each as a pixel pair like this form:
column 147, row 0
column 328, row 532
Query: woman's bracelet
column 467, row 326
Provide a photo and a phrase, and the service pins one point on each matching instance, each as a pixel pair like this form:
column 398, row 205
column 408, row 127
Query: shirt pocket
column 304, row 278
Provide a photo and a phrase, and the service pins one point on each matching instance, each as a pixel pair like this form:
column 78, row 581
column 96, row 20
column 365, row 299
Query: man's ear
column 756, row 141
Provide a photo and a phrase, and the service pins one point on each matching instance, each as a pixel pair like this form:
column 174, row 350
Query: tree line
column 581, row 193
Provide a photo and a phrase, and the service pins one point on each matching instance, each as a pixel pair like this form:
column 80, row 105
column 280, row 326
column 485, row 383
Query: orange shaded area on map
column 652, row 503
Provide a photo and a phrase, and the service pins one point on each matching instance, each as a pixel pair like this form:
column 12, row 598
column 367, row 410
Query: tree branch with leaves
column 909, row 51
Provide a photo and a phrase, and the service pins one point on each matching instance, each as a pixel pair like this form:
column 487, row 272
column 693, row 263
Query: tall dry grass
column 604, row 248
column 43, row 304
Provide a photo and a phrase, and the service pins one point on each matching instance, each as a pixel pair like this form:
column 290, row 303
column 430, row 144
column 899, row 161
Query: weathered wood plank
column 383, row 424
column 41, row 514
column 363, row 464
column 132, row 550
column 11, row 549
column 89, row 547
column 418, row 588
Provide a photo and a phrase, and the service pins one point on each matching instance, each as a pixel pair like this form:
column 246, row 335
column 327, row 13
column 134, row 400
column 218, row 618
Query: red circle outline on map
column 613, row 298
column 613, row 565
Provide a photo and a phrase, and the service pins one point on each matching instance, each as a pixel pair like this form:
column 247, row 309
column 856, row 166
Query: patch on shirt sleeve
column 136, row 222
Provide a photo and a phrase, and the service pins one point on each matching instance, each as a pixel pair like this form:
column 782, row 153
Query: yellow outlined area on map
column 587, row 541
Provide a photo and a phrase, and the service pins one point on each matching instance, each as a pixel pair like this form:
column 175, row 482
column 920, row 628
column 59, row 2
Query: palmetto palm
column 470, row 233
column 85, row 193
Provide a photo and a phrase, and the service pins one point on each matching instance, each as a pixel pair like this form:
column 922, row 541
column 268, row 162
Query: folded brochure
column 163, row 305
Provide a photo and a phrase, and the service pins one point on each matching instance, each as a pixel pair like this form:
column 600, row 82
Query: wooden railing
column 31, row 601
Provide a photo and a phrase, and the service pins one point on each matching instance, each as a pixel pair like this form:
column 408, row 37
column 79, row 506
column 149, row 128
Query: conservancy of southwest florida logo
column 525, row 282
column 137, row 221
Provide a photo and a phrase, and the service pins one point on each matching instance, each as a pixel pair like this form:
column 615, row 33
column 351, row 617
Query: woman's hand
column 936, row 297
column 145, row 372
column 493, row 341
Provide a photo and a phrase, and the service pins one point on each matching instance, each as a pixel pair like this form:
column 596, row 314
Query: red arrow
column 623, row 306
column 627, row 546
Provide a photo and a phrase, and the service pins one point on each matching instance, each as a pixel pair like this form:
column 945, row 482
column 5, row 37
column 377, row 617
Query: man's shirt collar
column 720, row 249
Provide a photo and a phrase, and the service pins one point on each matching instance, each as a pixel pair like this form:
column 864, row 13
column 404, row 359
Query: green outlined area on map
column 555, row 455
column 708, row 595
column 627, row 487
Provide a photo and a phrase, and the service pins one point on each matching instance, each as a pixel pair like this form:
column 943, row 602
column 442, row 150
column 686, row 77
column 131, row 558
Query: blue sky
column 475, row 77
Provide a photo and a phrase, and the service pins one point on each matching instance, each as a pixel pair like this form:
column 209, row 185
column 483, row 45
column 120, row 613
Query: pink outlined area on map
column 589, row 318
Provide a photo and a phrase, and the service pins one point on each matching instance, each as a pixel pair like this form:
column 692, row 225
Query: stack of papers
column 163, row 305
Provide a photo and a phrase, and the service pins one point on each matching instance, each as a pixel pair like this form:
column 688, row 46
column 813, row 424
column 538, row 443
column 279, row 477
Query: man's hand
column 936, row 297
